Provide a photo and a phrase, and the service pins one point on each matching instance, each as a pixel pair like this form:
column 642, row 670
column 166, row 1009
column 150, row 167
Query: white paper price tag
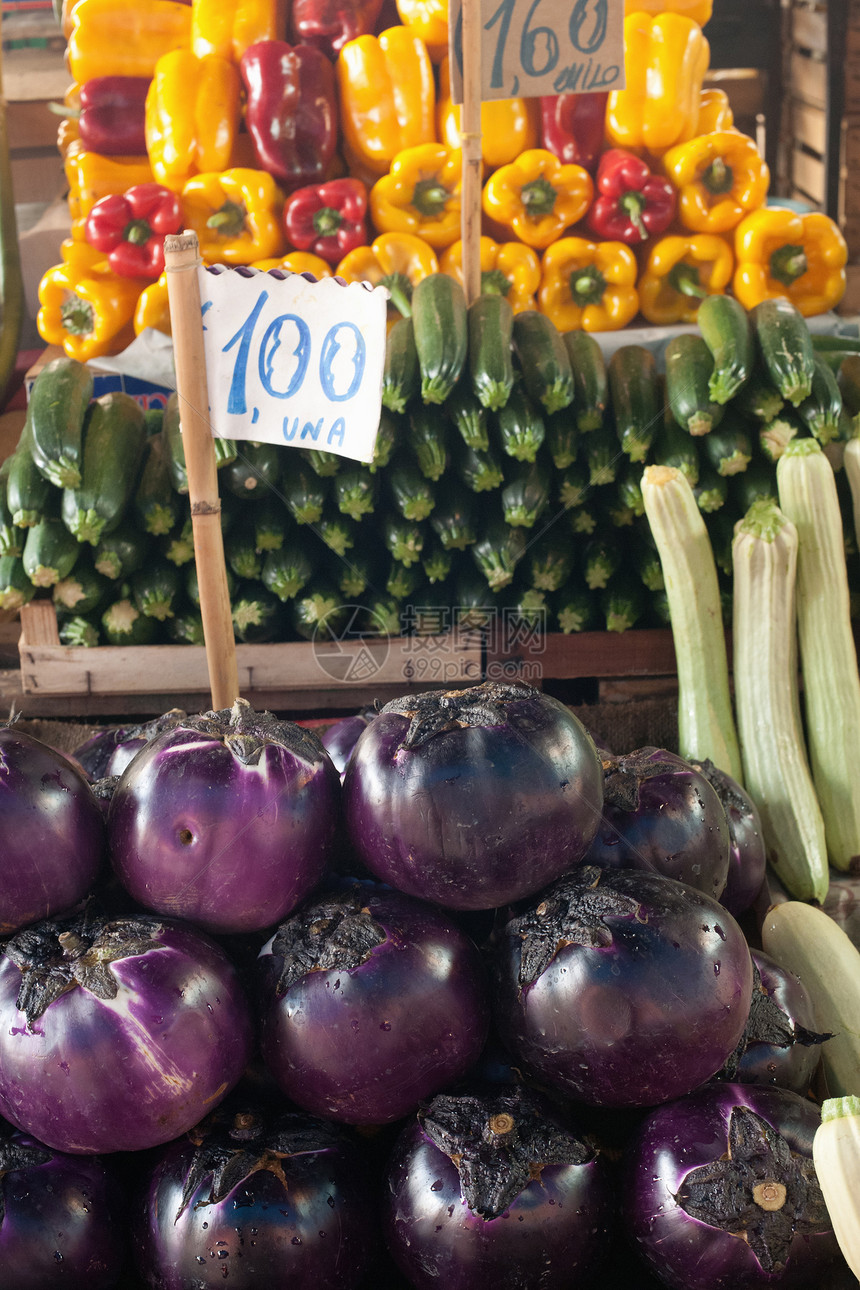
column 291, row 361
column 535, row 47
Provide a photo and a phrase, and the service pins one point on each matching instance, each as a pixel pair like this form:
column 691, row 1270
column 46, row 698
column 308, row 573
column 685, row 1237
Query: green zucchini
column 562, row 438
column 401, row 378
column 622, row 601
column 785, row 347
column 469, row 417
column 480, row 471
column 286, row 571
column 525, row 495
column 380, row 616
column 58, row 401
column 575, row 609
column 254, row 470
column 711, row 491
column 16, row 589
column 410, row 490
column 186, row 627
column 225, row 449
column 338, row 532
column 601, row 456
column 354, row 573
column 646, row 559
column 759, row 398
column 402, row 580
column 573, row 487
column 114, row 444
column 635, row 395
column 455, row 518
column 675, row 447
column 498, row 551
column 848, row 378
column 156, row 502
column 304, row 492
column 550, row 561
column 628, row 490
column 428, row 441
column 50, row 551
column 521, row 428
column 491, row 369
column 257, row 614
column 728, row 449
column 727, row 331
column 583, row 518
column 721, row 530
column 440, row 323
column 77, row 632
column 544, row 361
column 11, row 536
column 404, row 539
column 271, row 522
column 121, row 553
column 430, row 612
column 689, row 367
column 389, row 433
column 325, row 464
column 155, row 589
column 758, row 480
column 601, row 557
column 437, row 562
column 192, row 585
column 821, row 410
column 527, row 611
column 775, row 436
column 590, row 380
column 355, row 490
column 28, row 493
column 123, row 624
column 82, row 590
column 319, row 610
column 475, row 601
column 241, row 552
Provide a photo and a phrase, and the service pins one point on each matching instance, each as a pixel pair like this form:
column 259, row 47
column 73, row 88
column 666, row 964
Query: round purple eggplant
column 721, row 1193
column 621, row 987
column 747, row 851
column 495, row 1190
column 227, row 820
column 780, row 1044
column 341, row 737
column 251, row 1199
column 660, row 814
column 52, row 830
column 473, row 798
column 370, row 1001
column 62, row 1219
column 117, row 1035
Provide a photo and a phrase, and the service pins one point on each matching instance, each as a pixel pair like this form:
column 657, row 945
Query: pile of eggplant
column 450, row 996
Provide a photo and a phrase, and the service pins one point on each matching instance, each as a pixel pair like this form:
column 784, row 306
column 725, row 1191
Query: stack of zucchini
column 507, row 476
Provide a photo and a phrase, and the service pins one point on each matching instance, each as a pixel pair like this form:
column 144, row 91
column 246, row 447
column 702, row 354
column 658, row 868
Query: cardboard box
column 146, row 393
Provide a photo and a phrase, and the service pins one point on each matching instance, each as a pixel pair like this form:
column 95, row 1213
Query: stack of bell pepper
column 318, row 142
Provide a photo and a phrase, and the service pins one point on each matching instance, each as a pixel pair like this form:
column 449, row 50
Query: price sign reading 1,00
column 536, row 47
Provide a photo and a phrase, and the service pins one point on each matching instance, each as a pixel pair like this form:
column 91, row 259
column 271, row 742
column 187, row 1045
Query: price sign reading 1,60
column 536, row 47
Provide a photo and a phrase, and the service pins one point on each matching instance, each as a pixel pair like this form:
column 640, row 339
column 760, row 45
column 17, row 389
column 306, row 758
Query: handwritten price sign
column 535, row 47
column 290, row 361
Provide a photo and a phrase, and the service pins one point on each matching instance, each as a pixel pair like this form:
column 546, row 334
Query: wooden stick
column 182, row 259
column 470, row 210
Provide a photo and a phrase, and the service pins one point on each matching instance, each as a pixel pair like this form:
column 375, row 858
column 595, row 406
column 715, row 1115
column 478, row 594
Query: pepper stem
column 538, row 197
column 327, row 221
column 718, row 177
column 685, row 279
column 495, row 283
column 228, row 220
column 587, row 286
column 138, row 232
column 788, row 263
column 430, row 197
column 400, row 290
column 77, row 316
column 633, row 204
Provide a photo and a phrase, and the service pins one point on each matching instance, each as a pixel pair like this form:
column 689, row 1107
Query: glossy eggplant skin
column 363, row 1045
column 475, row 815
column 640, row 996
column 747, row 851
column 689, row 1253
column 555, row 1234
column 305, row 1220
column 789, row 1067
column 62, row 1218
column 667, row 818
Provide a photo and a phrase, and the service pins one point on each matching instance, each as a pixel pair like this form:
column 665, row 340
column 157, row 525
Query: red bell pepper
column 327, row 219
column 632, row 203
column 131, row 226
column 290, row 110
column 111, row 119
column 572, row 127
column 329, row 24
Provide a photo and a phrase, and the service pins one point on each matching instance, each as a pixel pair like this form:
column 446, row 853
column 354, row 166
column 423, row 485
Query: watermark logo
column 351, row 644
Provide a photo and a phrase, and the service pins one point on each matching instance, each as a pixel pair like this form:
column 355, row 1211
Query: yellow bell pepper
column 680, row 272
column 588, row 286
column 782, row 253
column 153, row 308
column 429, row 20
column 509, row 269
column 84, row 307
column 90, row 176
column 228, row 29
column 118, row 38
column 715, row 111
column 720, row 177
column 699, row 10
column 508, row 126
column 537, row 197
column 236, row 215
column 397, row 261
column 420, row 195
column 192, row 116
column 665, row 60
column 297, row 262
column 387, row 96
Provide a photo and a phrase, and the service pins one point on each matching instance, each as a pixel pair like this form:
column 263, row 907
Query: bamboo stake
column 182, row 259
column 470, row 135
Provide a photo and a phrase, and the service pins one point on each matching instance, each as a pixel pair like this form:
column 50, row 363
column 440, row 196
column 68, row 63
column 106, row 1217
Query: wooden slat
column 808, row 174
column 809, row 29
column 640, row 652
column 808, row 78
column 809, row 125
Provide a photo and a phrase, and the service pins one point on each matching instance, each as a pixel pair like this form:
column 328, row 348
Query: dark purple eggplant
column 250, row 1198
column 370, row 1000
column 622, row 987
column 747, row 851
column 473, row 798
column 228, row 819
column 721, row 1193
column 341, row 737
column 659, row 813
column 496, row 1190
